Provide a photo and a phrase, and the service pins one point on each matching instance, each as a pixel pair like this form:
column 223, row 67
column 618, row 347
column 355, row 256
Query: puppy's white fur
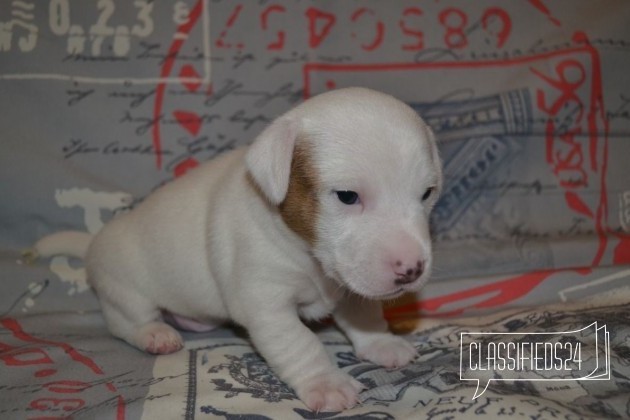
column 213, row 245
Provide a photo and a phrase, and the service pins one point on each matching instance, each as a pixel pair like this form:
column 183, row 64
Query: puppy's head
column 355, row 173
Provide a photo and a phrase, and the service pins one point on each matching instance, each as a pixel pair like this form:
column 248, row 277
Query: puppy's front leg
column 298, row 357
column 364, row 324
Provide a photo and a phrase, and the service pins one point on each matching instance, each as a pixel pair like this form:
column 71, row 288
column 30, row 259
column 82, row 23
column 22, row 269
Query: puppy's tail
column 71, row 243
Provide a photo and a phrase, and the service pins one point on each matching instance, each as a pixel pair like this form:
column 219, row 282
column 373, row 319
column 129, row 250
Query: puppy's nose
column 407, row 272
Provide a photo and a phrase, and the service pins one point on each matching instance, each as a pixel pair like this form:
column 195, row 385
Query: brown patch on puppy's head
column 299, row 210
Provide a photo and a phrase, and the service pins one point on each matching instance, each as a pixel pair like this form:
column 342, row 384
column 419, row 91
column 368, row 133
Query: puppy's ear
column 269, row 158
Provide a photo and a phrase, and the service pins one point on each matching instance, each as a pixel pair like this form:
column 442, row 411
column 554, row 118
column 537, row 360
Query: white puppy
column 325, row 213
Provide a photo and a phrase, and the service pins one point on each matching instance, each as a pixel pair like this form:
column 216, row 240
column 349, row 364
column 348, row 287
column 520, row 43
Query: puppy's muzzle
column 405, row 261
column 406, row 274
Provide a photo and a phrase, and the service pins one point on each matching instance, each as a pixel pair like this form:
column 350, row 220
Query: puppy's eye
column 348, row 197
column 428, row 193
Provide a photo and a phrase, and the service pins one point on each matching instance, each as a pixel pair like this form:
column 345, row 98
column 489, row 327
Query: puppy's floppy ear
column 269, row 158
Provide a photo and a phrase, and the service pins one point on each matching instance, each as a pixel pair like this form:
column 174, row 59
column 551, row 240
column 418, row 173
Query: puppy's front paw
column 159, row 338
column 333, row 391
column 388, row 351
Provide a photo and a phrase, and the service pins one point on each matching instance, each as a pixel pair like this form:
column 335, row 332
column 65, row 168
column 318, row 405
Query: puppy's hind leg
column 136, row 319
column 155, row 336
